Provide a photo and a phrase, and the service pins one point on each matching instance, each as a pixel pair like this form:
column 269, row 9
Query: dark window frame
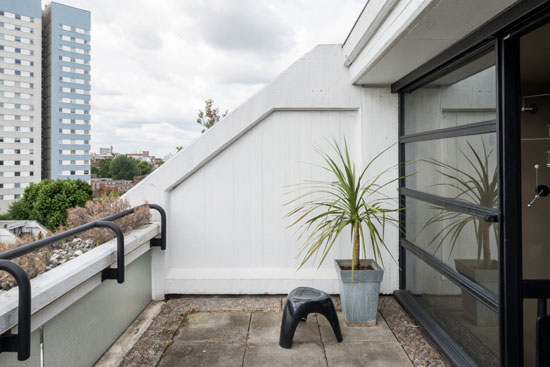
column 502, row 33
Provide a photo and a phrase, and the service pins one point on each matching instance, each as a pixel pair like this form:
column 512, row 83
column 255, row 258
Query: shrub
column 37, row 262
column 48, row 201
column 101, row 208
column 34, row 263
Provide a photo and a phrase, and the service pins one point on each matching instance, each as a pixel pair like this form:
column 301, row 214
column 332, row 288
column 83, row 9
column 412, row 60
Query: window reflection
column 462, row 168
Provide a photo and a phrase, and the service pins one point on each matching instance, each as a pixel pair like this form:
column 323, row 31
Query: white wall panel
column 231, row 210
column 224, row 193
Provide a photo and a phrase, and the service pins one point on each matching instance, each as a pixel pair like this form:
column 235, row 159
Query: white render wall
column 224, row 194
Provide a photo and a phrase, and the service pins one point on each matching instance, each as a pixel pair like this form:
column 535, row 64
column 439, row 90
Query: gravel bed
column 59, row 254
column 149, row 350
column 410, row 335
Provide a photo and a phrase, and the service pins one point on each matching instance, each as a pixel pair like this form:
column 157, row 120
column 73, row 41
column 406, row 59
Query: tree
column 144, row 168
column 19, row 210
column 105, row 168
column 123, row 168
column 210, row 116
column 180, row 148
column 48, row 201
column 95, row 170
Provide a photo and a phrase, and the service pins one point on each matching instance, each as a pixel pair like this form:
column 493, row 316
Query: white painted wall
column 224, row 194
column 231, row 227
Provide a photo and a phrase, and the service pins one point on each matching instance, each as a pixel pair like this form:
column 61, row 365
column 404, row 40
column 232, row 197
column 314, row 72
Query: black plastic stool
column 301, row 302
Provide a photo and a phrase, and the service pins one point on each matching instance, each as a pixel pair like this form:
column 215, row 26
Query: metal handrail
column 20, row 342
column 30, row 247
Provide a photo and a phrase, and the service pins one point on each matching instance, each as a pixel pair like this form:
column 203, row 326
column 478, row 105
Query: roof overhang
column 392, row 38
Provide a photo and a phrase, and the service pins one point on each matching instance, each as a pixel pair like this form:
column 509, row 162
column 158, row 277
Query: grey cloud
column 147, row 87
column 146, row 39
column 242, row 26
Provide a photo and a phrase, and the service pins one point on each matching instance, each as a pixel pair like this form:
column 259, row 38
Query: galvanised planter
column 476, row 312
column 360, row 297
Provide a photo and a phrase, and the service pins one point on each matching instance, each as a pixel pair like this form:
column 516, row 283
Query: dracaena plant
column 350, row 199
column 476, row 183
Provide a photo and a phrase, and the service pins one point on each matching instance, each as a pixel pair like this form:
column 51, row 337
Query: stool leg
column 288, row 328
column 329, row 311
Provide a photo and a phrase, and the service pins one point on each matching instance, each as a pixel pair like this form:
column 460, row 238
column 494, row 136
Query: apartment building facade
column 66, row 91
column 20, row 97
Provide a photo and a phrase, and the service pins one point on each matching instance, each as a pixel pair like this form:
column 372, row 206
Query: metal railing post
column 117, row 273
column 20, row 342
column 160, row 242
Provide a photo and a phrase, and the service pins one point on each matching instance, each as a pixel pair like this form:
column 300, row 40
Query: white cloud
column 155, row 62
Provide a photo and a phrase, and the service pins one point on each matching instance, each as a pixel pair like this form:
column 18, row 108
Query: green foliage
column 480, row 187
column 95, row 170
column 123, row 168
column 180, row 148
column 210, row 116
column 48, row 201
column 104, row 170
column 19, row 210
column 144, row 168
column 348, row 200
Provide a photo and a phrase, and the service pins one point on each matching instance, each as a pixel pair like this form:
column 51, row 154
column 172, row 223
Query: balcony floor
column 244, row 331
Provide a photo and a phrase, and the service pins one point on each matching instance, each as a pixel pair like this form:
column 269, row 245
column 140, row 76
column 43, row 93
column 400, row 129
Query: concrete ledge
column 249, row 280
column 57, row 289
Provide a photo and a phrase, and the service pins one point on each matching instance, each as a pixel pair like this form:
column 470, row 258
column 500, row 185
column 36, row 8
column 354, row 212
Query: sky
column 154, row 63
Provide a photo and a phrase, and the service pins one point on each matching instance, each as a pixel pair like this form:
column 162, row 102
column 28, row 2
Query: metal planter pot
column 475, row 311
column 360, row 297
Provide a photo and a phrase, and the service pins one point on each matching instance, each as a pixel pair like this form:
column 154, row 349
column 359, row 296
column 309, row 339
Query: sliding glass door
column 449, row 151
column 472, row 257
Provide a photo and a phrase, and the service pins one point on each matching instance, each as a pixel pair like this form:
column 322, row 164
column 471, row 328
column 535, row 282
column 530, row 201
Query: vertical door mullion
column 402, row 213
column 510, row 250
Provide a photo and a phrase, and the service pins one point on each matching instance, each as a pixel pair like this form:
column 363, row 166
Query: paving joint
column 322, row 341
column 246, row 340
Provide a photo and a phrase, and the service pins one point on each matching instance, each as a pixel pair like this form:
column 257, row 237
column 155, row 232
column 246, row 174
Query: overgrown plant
column 101, row 208
column 348, row 200
column 479, row 187
column 37, row 262
column 34, row 263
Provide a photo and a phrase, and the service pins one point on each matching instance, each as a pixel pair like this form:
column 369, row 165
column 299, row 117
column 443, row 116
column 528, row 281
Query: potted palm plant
column 476, row 184
column 349, row 200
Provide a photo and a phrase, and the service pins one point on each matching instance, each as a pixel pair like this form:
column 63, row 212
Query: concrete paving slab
column 203, row 354
column 372, row 354
column 266, row 327
column 215, row 327
column 352, row 334
column 272, row 355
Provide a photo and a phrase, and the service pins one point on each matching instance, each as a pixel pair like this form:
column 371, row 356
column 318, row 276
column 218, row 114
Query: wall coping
column 60, row 287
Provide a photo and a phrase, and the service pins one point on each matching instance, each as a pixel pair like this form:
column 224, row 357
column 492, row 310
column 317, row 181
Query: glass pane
column 535, row 85
column 463, row 96
column 465, row 243
column 468, row 322
column 463, row 168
